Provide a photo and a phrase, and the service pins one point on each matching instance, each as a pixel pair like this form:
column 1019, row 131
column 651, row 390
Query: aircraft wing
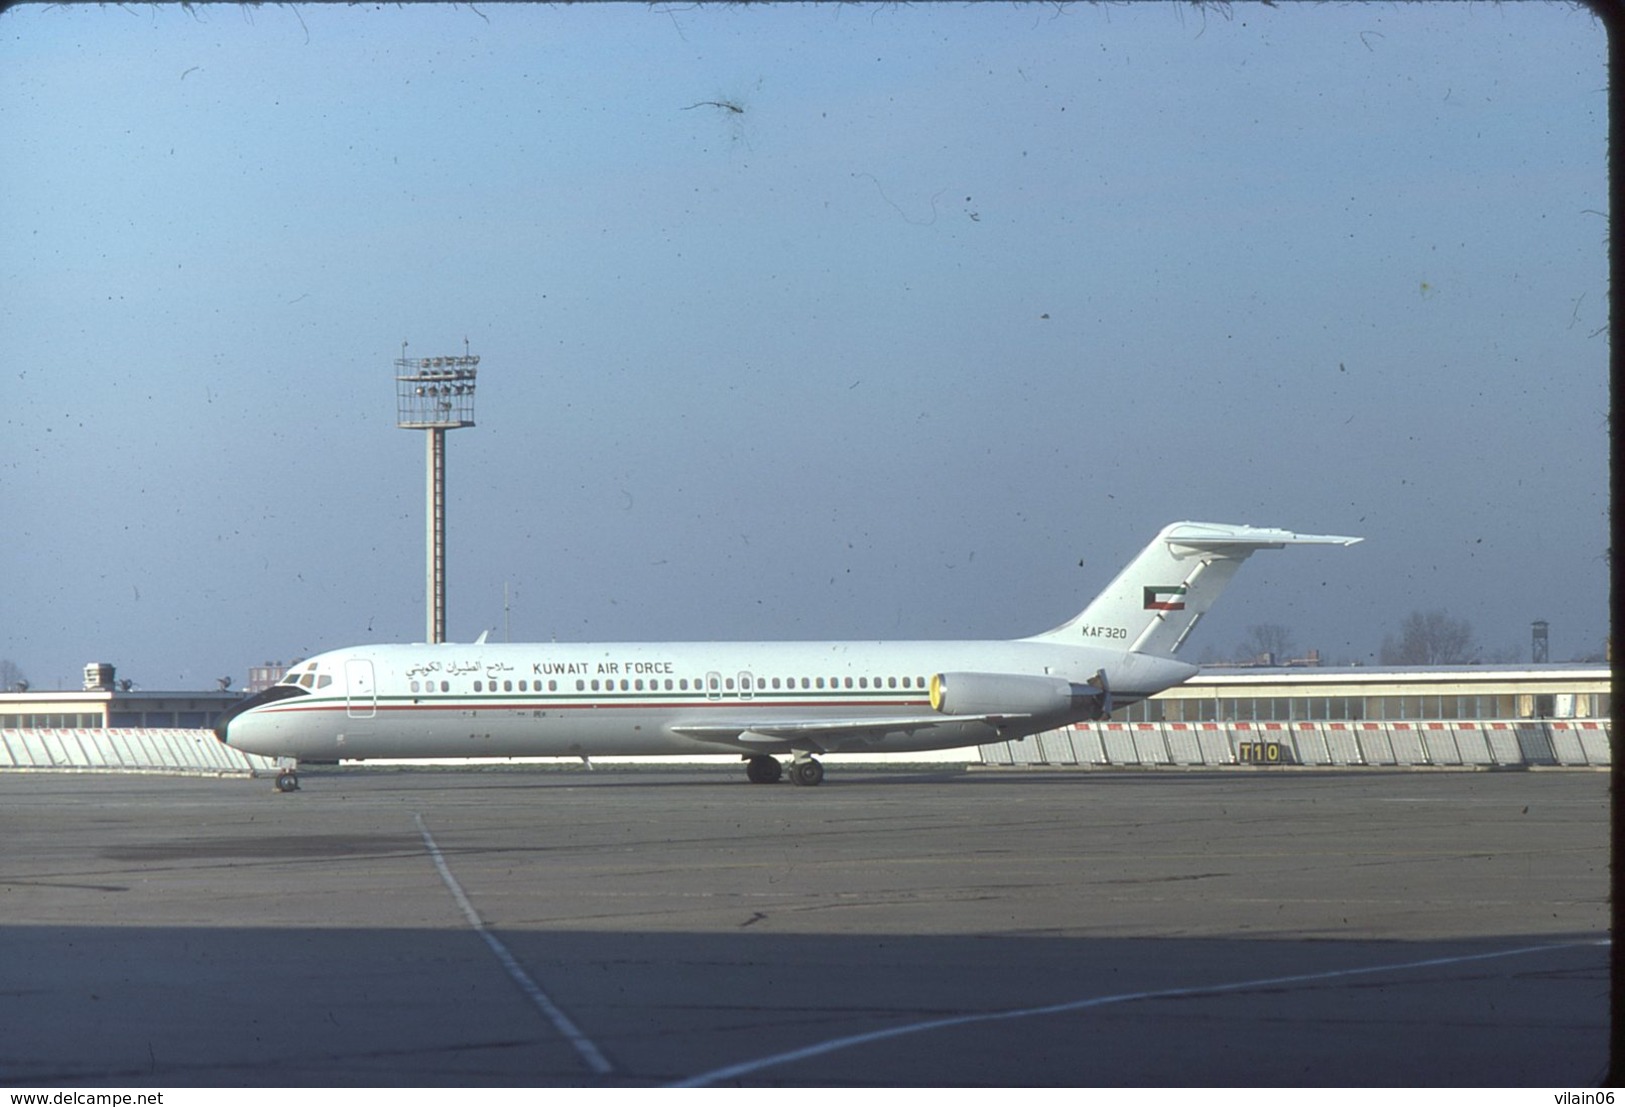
column 771, row 731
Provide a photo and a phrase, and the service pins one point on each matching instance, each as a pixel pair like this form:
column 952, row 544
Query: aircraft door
column 360, row 689
column 747, row 686
column 713, row 686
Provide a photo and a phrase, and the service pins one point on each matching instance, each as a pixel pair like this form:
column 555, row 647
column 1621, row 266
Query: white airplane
column 755, row 700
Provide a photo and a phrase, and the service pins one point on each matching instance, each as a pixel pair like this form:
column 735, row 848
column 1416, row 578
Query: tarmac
column 893, row 927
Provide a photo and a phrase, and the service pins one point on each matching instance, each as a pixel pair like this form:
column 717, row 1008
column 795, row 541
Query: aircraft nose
column 222, row 726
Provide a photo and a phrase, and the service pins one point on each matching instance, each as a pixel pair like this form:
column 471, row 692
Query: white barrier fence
column 143, row 750
column 1575, row 743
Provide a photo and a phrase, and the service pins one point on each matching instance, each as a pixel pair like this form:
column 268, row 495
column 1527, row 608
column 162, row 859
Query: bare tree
column 1429, row 638
column 11, row 676
column 1272, row 639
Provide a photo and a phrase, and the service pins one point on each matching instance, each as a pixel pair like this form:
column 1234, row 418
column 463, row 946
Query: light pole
column 435, row 394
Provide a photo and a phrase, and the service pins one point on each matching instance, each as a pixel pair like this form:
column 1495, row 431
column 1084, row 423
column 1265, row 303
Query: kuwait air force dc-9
column 760, row 701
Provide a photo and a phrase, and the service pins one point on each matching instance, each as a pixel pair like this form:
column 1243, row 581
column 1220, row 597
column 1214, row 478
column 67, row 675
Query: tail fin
column 1154, row 604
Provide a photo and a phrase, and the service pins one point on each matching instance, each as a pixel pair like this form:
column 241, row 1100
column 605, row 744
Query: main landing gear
column 763, row 769
column 805, row 770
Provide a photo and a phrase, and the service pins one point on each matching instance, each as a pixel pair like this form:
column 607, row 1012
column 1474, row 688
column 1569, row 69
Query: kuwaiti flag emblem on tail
column 1165, row 598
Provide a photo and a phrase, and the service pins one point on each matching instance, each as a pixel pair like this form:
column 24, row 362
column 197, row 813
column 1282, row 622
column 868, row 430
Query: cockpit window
column 308, row 680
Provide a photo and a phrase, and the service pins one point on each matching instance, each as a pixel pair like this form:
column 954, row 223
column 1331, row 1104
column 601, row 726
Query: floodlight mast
column 435, row 395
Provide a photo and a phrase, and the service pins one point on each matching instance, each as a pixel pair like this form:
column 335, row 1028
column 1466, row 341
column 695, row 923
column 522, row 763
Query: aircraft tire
column 763, row 769
column 808, row 773
column 287, row 782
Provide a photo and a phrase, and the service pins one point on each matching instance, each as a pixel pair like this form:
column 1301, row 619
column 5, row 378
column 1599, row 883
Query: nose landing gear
column 287, row 776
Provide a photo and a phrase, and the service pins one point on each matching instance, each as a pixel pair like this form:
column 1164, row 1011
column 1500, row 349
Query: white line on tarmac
column 561, row 1022
column 745, row 1068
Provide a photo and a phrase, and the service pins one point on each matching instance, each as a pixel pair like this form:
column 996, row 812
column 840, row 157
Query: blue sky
column 795, row 321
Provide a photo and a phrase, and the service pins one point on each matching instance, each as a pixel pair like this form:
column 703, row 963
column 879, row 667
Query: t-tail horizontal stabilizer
column 1153, row 605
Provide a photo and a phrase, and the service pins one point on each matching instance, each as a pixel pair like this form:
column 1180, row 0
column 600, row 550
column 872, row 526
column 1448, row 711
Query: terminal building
column 1463, row 716
column 1454, row 692
column 105, row 703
